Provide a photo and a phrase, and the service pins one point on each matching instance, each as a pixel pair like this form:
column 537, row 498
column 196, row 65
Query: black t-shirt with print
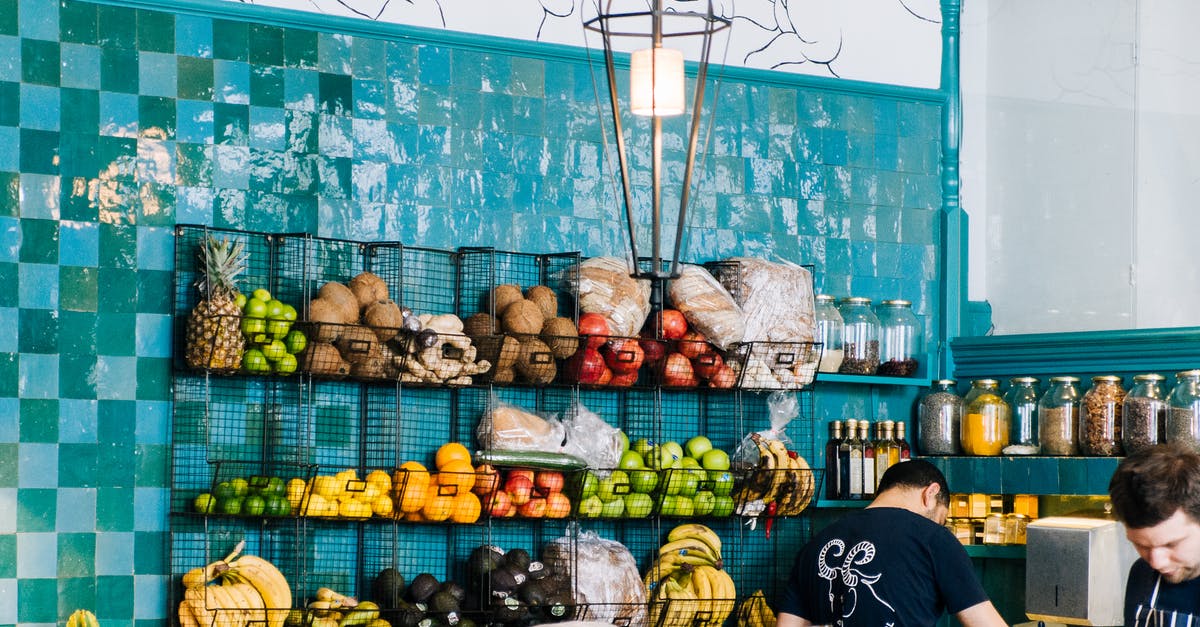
column 881, row 566
column 1175, row 603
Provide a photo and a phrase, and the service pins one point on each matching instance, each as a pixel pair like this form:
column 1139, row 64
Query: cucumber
column 530, row 459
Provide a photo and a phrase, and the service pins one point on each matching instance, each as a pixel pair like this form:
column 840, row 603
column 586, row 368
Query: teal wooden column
column 953, row 218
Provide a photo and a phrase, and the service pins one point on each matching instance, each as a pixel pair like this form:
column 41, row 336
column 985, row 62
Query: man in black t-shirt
column 891, row 564
column 1156, row 493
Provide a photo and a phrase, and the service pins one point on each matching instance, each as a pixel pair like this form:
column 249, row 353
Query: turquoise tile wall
column 117, row 123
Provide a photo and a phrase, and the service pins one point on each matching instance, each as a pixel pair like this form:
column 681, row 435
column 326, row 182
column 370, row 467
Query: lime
column 274, row 350
column 252, row 326
column 258, row 484
column 256, row 308
column 289, row 313
column 205, row 503
column 278, row 505
column 254, row 360
column 241, row 487
column 286, row 364
column 240, row 300
column 262, row 294
column 224, row 490
column 295, row 341
column 275, row 485
column 232, row 505
column 275, row 309
column 254, row 505
column 278, row 327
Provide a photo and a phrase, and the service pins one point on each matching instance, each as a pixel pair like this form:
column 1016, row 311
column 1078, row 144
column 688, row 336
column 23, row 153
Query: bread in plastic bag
column 707, row 306
column 776, row 298
column 507, row 427
column 606, row 580
column 592, row 439
column 606, row 288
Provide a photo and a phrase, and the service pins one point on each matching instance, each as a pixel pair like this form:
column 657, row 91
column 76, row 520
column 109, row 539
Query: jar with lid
column 1183, row 410
column 1014, row 528
column 961, row 528
column 1100, row 417
column 985, row 424
column 900, row 335
column 829, row 333
column 860, row 336
column 1058, row 416
column 993, row 529
column 1022, row 399
column 1143, row 413
column 938, row 416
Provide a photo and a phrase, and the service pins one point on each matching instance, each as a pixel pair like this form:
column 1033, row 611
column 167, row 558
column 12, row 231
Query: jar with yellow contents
column 986, row 422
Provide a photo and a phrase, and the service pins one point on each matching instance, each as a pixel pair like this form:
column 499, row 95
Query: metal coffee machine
column 1075, row 569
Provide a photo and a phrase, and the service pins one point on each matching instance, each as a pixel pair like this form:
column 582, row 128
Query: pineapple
column 214, row 335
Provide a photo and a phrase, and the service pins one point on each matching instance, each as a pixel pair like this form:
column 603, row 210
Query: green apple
column 703, row 503
column 613, row 486
column 663, row 458
column 255, row 308
column 275, row 309
column 261, row 294
column 698, row 446
column 253, row 326
column 715, row 459
column 638, row 505
column 689, row 485
column 643, row 481
column 613, row 509
column 684, row 507
column 689, row 462
column 588, row 484
column 295, row 341
column 631, row 460
column 590, row 507
column 274, row 350
column 672, row 481
column 205, row 503
column 722, row 482
column 624, row 440
column 223, row 490
column 253, row 360
column 286, row 364
column 722, row 505
column 278, row 328
column 668, row 505
column 240, row 301
column 289, row 313
column 642, row 446
column 675, row 449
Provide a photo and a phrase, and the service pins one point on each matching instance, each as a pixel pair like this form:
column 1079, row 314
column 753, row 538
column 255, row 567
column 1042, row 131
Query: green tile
column 10, row 103
column 193, row 165
column 154, row 379
column 266, row 44
column 40, row 62
column 336, row 94
column 76, row 377
column 117, row 27
column 8, row 470
column 115, row 334
column 39, row 420
column 232, row 123
column 155, row 291
column 157, row 206
column 155, row 31
column 77, row 154
column 194, row 78
column 9, row 374
column 80, row 111
column 231, row 40
column 8, row 18
column 300, row 48
column 529, row 77
column 153, row 462
column 115, row 465
column 118, row 291
column 266, row 86
column 39, row 151
column 77, row 288
column 114, row 508
column 75, row 592
column 115, row 70
column 8, row 555
column 114, row 596
column 36, row 509
column 39, row 241
column 114, row 421
column 10, row 194
column 76, row 555
column 77, row 22
column 149, row 553
column 37, row 599
column 116, row 150
column 76, row 465
column 74, row 200
column 156, row 117
column 38, row 331
column 118, row 246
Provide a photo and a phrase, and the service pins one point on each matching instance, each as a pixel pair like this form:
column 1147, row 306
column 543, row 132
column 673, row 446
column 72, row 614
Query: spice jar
column 961, row 528
column 979, row 386
column 829, row 333
column 1058, row 416
column 1183, row 410
column 1022, row 399
column 860, row 337
column 899, row 338
column 985, row 425
column 1143, row 413
column 938, row 416
column 1100, row 417
column 1014, row 528
column 993, row 529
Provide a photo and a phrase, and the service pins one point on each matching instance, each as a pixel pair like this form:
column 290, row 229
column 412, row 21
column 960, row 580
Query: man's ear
column 929, row 495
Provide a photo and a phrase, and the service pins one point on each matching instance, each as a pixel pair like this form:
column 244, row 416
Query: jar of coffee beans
column 1058, row 417
column 860, row 336
column 1143, row 413
column 1100, row 417
column 938, row 418
column 1183, row 410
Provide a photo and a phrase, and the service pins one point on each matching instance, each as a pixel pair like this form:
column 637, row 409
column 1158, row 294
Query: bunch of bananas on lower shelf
column 687, row 584
column 780, row 477
column 754, row 612
column 82, row 618
column 235, row 592
column 332, row 609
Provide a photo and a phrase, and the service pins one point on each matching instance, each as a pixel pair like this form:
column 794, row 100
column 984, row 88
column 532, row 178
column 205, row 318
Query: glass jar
column 1022, row 399
column 900, row 335
column 985, row 424
column 1014, row 528
column 1183, row 410
column 993, row 529
column 829, row 333
column 1143, row 413
column 1100, row 417
column 979, row 386
column 860, row 338
column 961, row 528
column 938, row 416
column 1058, row 415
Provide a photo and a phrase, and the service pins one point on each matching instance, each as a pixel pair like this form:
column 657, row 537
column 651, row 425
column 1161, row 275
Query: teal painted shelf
column 862, row 379
column 990, row 551
column 828, row 504
column 1031, row 474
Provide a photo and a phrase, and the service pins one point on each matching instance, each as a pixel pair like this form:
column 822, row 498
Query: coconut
column 523, row 317
column 535, row 362
column 503, row 375
column 326, row 318
column 545, row 298
column 561, row 336
column 322, row 359
column 481, row 324
column 368, row 288
column 341, row 295
column 358, row 344
column 501, row 297
column 384, row 317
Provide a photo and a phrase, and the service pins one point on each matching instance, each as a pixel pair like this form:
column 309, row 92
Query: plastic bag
column 507, row 427
column 754, row 467
column 606, row 578
column 591, row 438
column 605, row 287
column 707, row 306
column 776, row 298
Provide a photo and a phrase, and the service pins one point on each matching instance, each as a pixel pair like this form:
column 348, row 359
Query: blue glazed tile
column 38, row 376
column 10, row 239
column 38, row 20
column 886, row 152
column 372, row 141
column 153, row 335
column 334, row 53
column 834, row 147
column 41, row 194
column 231, row 82
column 81, row 503
column 37, row 555
column 150, row 593
column 114, row 553
column 8, row 590
column 434, row 65
column 153, row 422
column 10, row 58
column 370, row 181
column 8, row 512
column 370, row 99
column 38, row 286
column 118, row 114
column 194, row 205
column 267, row 128
column 9, row 407
column 368, row 58
column 10, row 136
column 112, row 377
column 80, row 66
column 37, row 465
column 155, row 248
column 765, row 176
column 300, row 89
column 77, row 421
column 148, row 507
column 40, row 107
column 230, row 167
column 193, row 36
column 336, row 133
column 194, row 121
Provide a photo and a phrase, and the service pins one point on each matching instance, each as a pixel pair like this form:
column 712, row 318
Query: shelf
column 990, row 551
column 1031, row 474
column 839, row 504
column 862, row 379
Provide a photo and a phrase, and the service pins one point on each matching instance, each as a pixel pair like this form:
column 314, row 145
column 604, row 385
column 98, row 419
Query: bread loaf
column 707, row 306
column 605, row 577
column 776, row 298
column 606, row 288
column 509, row 428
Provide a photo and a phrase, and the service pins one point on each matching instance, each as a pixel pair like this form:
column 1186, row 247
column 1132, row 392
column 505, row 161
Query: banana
column 201, row 576
column 186, row 617
column 338, row 599
column 724, row 596
column 745, row 613
column 764, row 615
column 778, row 452
column 226, row 609
column 270, row 583
column 237, row 597
column 699, row 532
column 800, row 490
column 692, row 552
column 254, row 605
column 194, row 597
column 702, row 582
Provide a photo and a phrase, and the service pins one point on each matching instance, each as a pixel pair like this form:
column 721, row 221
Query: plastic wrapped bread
column 606, row 288
column 606, row 578
column 707, row 306
column 776, row 298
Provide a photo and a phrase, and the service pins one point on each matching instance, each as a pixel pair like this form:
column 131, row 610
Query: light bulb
column 656, row 82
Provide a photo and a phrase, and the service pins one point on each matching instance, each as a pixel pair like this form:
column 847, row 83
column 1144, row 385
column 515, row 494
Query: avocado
column 422, row 587
column 532, row 593
column 405, row 615
column 455, row 590
column 442, row 602
column 388, row 588
column 483, row 560
column 509, row 610
column 537, row 570
column 502, row 583
column 518, row 559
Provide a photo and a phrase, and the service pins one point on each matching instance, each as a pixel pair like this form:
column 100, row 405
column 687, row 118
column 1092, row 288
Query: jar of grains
column 938, row 416
column 899, row 338
column 985, row 423
column 829, row 333
column 1143, row 413
column 860, row 339
column 1100, row 417
column 1022, row 399
column 1058, row 416
column 1183, row 410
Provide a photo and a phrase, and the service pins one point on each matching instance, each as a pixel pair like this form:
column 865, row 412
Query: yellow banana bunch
column 797, row 490
column 200, row 607
column 273, row 587
column 780, row 477
column 695, row 531
column 686, row 584
column 754, row 612
column 82, row 618
column 251, row 591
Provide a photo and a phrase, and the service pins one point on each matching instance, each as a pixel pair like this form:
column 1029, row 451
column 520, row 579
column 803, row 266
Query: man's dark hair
column 1150, row 485
column 917, row 474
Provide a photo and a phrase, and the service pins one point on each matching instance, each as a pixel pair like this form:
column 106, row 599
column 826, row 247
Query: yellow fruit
column 466, row 508
column 410, row 483
column 381, row 479
column 354, row 508
column 457, row 476
column 437, row 506
column 326, row 486
column 315, row 505
column 382, row 506
column 295, row 492
column 450, row 452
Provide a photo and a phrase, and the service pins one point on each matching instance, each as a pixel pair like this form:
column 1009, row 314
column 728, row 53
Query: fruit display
column 214, row 337
column 445, row 495
column 523, row 492
column 256, row 495
column 82, row 618
column 687, row 584
column 681, row 355
column 521, row 334
column 343, row 495
column 271, row 342
column 424, row 601
column 514, row 589
column 236, row 591
column 333, row 609
column 779, row 483
column 754, row 611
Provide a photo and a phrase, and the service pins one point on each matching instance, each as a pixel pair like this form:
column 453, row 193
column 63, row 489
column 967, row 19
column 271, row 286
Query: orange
column 411, row 484
column 450, row 452
column 466, row 508
column 437, row 506
column 458, row 477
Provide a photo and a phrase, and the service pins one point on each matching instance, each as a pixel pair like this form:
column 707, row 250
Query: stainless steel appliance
column 1075, row 569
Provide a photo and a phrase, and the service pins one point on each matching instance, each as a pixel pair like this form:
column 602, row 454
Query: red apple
column 522, row 472
column 677, row 371
column 487, row 479
column 693, row 344
column 519, row 488
column 499, row 504
column 624, row 379
column 549, row 481
column 586, row 366
column 605, row 377
column 707, row 364
column 533, row 508
column 671, row 323
column 724, row 377
column 654, row 350
column 557, row 505
column 594, row 326
column 623, row 356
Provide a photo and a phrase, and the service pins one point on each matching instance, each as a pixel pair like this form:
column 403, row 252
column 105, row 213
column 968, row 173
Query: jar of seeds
column 1058, row 417
column 1022, row 399
column 1100, row 417
column 1183, row 410
column 860, row 336
column 830, row 328
column 1143, row 413
column 938, row 416
column 900, row 335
